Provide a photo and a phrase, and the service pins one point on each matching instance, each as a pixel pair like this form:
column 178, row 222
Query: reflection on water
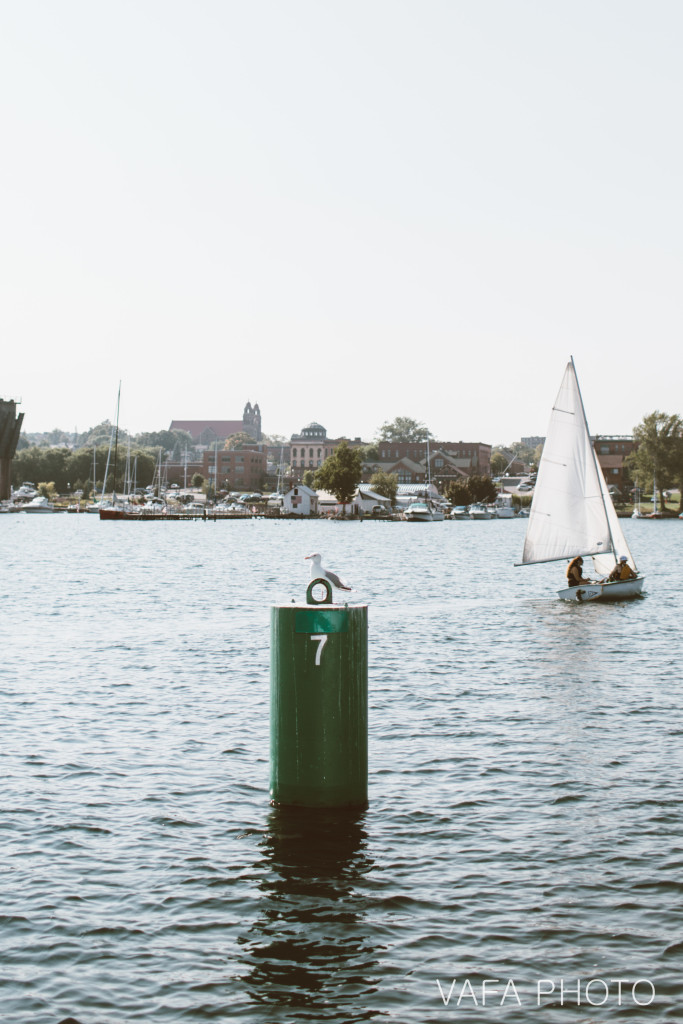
column 308, row 947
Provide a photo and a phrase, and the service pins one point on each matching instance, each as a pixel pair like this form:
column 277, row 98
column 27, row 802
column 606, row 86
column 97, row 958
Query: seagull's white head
column 316, row 557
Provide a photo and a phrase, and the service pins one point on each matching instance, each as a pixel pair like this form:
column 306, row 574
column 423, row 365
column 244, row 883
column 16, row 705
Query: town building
column 238, row 469
column 468, row 456
column 365, row 501
column 310, row 447
column 300, row 501
column 448, row 461
column 444, row 467
column 181, row 472
column 406, row 494
column 532, row 442
column 207, row 432
column 611, row 451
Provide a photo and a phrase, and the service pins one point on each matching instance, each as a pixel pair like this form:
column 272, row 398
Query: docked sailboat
column 426, row 511
column 115, row 509
column 572, row 512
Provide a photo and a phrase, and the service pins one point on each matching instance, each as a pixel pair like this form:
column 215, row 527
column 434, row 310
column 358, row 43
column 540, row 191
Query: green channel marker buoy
column 319, row 703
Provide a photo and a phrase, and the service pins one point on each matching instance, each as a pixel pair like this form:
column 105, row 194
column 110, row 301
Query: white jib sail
column 569, row 511
column 605, row 563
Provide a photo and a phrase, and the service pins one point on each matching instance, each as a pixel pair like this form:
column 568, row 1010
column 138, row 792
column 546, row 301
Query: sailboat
column 637, row 514
column 572, row 512
column 116, row 509
column 655, row 514
column 425, row 511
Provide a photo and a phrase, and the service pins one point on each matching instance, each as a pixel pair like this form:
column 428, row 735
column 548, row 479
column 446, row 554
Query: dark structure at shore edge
column 10, row 426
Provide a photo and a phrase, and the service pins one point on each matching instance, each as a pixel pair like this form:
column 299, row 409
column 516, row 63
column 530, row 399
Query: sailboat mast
column 595, row 457
column 280, row 470
column 106, row 468
column 116, row 439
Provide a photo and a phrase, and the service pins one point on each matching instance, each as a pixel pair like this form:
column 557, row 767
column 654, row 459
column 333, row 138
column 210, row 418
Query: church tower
column 251, row 421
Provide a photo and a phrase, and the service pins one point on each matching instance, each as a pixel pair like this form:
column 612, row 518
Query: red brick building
column 241, row 469
column 611, row 452
column 456, row 458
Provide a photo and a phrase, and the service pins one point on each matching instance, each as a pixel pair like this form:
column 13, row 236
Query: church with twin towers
column 207, row 432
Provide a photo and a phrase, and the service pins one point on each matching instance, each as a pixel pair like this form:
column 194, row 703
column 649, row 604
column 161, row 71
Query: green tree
column 341, row 472
column 403, row 428
column 474, row 488
column 145, row 468
column 659, row 455
column 482, row 488
column 197, row 480
column 523, row 452
column 385, row 484
column 458, row 493
column 237, row 441
column 166, row 439
column 309, row 479
column 499, row 462
column 102, row 433
column 41, row 464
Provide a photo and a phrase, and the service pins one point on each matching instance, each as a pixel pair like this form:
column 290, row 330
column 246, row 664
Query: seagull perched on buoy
column 318, row 573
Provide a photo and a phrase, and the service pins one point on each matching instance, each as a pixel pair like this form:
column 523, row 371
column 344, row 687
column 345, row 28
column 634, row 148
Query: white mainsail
column 572, row 511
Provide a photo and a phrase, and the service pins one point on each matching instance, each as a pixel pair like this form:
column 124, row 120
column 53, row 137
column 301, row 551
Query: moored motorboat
column 423, row 512
column 39, row 504
column 503, row 508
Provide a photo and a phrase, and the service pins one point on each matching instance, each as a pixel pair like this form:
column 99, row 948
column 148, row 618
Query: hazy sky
column 344, row 210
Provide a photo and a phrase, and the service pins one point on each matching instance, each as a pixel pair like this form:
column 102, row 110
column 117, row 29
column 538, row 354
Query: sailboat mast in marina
column 116, row 443
column 572, row 513
column 425, row 511
column 114, row 511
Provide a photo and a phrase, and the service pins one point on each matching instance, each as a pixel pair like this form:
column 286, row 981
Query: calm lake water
column 526, row 774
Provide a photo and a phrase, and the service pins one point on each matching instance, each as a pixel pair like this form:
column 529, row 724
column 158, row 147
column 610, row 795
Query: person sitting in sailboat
column 622, row 571
column 575, row 572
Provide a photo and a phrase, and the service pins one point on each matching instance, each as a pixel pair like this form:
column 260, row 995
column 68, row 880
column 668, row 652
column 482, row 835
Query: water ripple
column 525, row 779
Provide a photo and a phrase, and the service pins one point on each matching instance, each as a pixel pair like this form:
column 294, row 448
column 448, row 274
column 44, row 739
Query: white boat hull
column 424, row 517
column 621, row 590
column 39, row 504
column 423, row 512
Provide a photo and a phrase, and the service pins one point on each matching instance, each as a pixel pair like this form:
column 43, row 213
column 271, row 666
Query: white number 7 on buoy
column 322, row 640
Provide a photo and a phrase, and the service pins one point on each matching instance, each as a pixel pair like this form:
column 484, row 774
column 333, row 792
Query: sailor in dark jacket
column 574, row 572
